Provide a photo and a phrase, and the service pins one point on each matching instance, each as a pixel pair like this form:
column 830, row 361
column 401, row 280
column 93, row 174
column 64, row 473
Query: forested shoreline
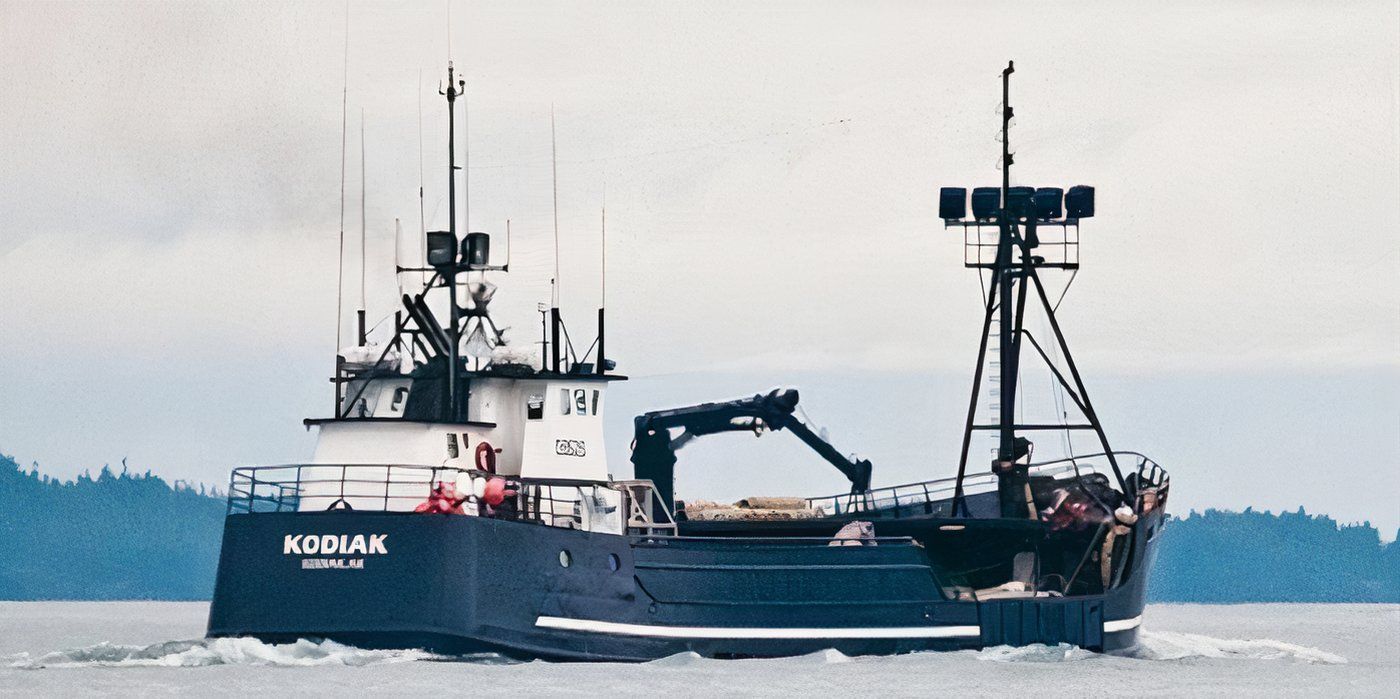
column 120, row 535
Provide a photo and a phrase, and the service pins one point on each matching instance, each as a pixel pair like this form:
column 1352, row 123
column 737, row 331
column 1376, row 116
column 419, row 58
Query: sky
column 170, row 209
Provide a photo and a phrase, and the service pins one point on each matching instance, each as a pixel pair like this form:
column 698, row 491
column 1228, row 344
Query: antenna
column 555, row 322
column 466, row 158
column 422, row 218
column 599, row 368
column 554, row 174
column 603, row 249
column 1006, row 113
column 363, row 228
column 340, row 258
column 398, row 242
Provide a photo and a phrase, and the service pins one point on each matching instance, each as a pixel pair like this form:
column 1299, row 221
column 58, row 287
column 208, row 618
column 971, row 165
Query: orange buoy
column 495, row 492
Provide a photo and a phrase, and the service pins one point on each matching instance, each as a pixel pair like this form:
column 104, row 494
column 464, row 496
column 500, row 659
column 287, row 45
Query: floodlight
column 1047, row 203
column 476, row 250
column 952, row 203
column 1019, row 201
column 985, row 202
column 1079, row 201
column 442, row 249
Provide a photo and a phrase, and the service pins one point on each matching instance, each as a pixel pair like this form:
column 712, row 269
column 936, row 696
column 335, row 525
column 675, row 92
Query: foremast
column 1016, row 214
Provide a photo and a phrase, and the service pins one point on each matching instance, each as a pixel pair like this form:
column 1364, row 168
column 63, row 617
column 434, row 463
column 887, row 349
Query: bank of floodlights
column 1044, row 204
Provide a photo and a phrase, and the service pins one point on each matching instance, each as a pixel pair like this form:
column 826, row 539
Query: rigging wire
column 667, row 151
column 1072, row 275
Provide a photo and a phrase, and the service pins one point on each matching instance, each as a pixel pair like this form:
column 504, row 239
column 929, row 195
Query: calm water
column 52, row 648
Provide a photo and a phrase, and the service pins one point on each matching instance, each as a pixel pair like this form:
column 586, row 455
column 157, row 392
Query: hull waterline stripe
column 612, row 627
column 1122, row 624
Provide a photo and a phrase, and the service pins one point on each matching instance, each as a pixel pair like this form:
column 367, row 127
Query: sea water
column 52, row 648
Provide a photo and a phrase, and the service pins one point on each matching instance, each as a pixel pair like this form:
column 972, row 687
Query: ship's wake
column 217, row 651
column 1160, row 645
column 1166, row 645
column 1155, row 646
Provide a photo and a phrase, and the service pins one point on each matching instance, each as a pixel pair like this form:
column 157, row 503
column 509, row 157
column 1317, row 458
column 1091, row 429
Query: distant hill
column 116, row 536
column 1251, row 556
column 124, row 536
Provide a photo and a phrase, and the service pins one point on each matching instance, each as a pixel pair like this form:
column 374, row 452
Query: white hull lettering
column 330, row 544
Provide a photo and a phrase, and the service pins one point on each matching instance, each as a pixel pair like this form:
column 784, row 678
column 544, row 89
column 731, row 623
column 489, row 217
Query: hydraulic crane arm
column 654, row 450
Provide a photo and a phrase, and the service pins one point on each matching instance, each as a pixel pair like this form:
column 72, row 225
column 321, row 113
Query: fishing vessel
column 459, row 498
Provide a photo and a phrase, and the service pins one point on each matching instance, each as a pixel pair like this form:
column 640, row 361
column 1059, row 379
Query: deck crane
column 654, row 449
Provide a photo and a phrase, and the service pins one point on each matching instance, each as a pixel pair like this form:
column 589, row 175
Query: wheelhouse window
column 565, row 402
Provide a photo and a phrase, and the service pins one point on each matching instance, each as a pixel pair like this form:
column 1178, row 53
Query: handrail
column 561, row 502
column 891, row 497
column 642, row 539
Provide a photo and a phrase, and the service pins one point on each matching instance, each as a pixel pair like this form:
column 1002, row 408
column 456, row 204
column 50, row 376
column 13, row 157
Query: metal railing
column 615, row 507
column 927, row 497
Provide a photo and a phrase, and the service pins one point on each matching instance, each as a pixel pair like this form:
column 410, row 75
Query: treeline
column 116, row 536
column 1250, row 556
column 125, row 536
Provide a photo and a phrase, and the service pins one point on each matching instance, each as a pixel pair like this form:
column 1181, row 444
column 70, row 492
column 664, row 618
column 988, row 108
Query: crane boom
column 654, row 450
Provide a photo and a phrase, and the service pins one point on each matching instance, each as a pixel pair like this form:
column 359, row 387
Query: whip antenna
column 363, row 230
column 554, row 174
column 340, row 258
column 600, row 367
column 422, row 218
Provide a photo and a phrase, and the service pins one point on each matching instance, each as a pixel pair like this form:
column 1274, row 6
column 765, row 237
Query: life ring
column 485, row 457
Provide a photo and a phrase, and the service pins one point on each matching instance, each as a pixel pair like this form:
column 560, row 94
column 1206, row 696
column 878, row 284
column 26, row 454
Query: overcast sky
column 170, row 183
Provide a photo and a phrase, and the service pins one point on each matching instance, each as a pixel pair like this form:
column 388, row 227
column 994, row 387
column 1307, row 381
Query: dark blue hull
column 460, row 584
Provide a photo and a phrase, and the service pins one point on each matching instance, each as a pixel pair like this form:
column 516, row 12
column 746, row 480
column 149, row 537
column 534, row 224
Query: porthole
column 565, row 558
column 614, row 562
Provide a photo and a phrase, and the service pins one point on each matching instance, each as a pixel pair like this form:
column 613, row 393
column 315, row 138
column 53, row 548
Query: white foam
column 217, row 651
column 1035, row 653
column 682, row 659
column 1163, row 645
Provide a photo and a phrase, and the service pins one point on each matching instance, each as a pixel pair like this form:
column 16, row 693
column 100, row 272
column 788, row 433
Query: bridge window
column 565, row 403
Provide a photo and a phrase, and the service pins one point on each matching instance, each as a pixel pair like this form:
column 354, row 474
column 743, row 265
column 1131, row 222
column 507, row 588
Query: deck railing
column 927, row 497
column 616, row 506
